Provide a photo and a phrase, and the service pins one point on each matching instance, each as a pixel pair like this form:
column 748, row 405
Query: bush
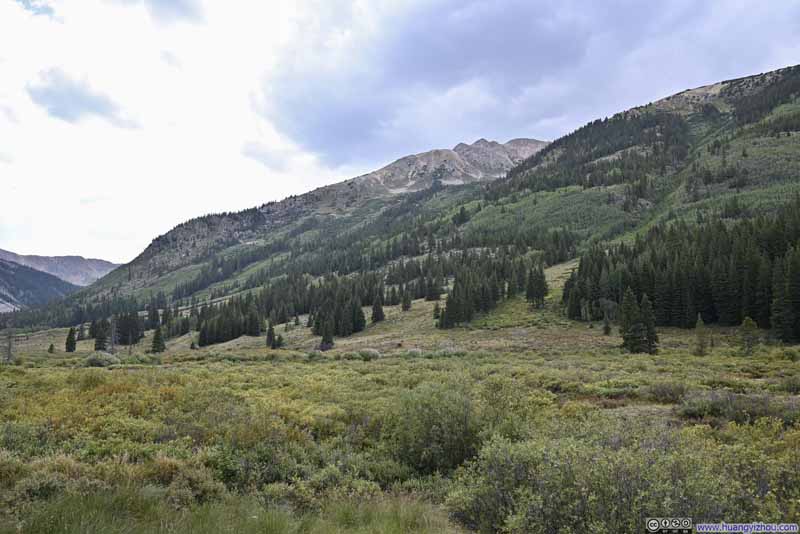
column 721, row 407
column 666, row 392
column 606, row 476
column 101, row 359
column 369, row 354
column 791, row 384
column 433, row 428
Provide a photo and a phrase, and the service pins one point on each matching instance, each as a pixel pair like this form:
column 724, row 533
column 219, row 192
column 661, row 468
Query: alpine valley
column 529, row 337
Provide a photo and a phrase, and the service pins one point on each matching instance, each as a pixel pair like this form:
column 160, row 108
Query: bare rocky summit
column 481, row 161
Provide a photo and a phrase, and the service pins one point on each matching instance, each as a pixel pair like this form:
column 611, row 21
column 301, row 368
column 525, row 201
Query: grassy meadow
column 520, row 423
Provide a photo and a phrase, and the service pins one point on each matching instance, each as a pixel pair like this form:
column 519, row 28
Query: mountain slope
column 481, row 161
column 73, row 269
column 22, row 287
column 724, row 151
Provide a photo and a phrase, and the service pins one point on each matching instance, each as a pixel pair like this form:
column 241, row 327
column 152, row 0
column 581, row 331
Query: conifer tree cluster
column 483, row 281
column 723, row 271
column 227, row 321
column 130, row 328
column 637, row 324
column 537, row 288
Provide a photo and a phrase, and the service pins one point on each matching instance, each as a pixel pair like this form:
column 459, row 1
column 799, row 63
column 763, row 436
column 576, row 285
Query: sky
column 120, row 119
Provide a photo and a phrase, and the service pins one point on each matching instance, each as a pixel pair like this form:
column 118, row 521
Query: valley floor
column 522, row 421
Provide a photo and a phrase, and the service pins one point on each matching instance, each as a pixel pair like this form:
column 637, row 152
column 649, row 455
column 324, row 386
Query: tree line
column 724, row 271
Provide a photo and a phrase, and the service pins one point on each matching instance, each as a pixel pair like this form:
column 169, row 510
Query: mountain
column 22, row 287
column 481, row 161
column 722, row 152
column 73, row 269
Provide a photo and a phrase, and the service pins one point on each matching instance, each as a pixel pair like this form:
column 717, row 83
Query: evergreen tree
column 649, row 321
column 51, row 349
column 406, row 300
column 530, row 290
column 158, row 342
column 632, row 328
column 433, row 289
column 270, row 336
column 100, row 339
column 253, row 324
column 793, row 290
column 327, row 335
column 70, row 344
column 700, row 337
column 359, row 319
column 153, row 319
column 782, row 317
column 748, row 336
column 377, row 310
column 606, row 325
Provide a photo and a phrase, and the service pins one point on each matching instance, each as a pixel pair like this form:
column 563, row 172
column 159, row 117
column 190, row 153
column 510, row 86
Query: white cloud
column 239, row 103
column 73, row 182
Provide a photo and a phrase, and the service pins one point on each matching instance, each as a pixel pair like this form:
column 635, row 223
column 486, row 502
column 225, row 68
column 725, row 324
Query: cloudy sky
column 121, row 118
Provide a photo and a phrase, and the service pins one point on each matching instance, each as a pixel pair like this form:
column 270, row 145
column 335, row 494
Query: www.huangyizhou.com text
column 747, row 528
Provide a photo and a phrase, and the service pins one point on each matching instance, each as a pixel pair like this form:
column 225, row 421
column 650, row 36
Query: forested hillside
column 712, row 155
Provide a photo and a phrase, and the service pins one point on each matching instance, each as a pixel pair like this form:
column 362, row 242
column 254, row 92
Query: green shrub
column 791, row 384
column 100, row 359
column 433, row 428
column 725, row 406
column 666, row 392
column 603, row 476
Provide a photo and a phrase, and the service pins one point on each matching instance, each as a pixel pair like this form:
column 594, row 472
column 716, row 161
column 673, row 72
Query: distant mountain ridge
column 481, row 161
column 76, row 270
column 22, row 287
column 728, row 150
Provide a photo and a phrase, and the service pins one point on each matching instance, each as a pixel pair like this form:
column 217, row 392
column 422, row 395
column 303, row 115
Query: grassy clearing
column 239, row 438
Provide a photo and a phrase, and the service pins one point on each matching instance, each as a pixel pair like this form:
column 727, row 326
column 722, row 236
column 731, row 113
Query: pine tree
column 632, row 328
column 606, row 325
column 270, row 336
column 51, row 349
column 649, row 321
column 530, row 290
column 748, row 336
column 153, row 319
column 406, row 300
column 792, row 295
column 253, row 324
column 359, row 319
column 100, row 340
column 70, row 343
column 700, row 337
column 377, row 310
column 432, row 289
column 327, row 335
column 158, row 342
column 782, row 317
